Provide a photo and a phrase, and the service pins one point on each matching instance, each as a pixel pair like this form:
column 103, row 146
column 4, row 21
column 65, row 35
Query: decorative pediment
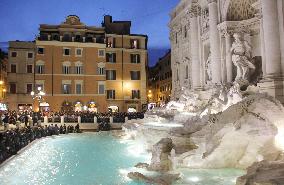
column 73, row 20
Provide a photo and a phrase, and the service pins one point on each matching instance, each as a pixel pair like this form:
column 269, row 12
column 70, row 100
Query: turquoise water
column 74, row 159
column 91, row 159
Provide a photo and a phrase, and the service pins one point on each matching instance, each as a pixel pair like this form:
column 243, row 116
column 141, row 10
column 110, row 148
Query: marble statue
column 208, row 67
column 241, row 56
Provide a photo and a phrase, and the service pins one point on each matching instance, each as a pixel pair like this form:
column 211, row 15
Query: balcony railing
column 71, row 39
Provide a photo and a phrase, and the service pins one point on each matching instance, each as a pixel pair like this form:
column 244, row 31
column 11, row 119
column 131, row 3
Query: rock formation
column 264, row 173
column 161, row 155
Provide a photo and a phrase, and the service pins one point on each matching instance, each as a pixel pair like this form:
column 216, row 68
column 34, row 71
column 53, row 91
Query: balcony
column 88, row 39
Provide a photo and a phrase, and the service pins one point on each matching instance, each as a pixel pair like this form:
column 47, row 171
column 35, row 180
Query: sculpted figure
column 208, row 67
column 241, row 55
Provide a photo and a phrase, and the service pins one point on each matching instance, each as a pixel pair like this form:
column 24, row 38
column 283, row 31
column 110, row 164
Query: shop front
column 3, row 107
column 44, row 107
column 113, row 108
column 78, row 106
column 24, row 107
column 92, row 106
column 67, row 106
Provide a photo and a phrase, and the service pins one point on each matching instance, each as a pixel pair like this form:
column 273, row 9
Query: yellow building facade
column 81, row 67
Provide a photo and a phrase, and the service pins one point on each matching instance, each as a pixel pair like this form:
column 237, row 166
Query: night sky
column 20, row 19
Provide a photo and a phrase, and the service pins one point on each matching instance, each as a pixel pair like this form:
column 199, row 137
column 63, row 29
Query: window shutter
column 113, row 94
column 114, row 57
column 107, row 57
column 132, row 58
column 138, row 58
column 114, row 74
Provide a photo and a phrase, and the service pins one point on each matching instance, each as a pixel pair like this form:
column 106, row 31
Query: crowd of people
column 11, row 141
column 26, row 117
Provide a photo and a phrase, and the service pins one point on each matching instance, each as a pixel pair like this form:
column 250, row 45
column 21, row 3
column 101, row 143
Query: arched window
column 66, row 67
column 39, row 67
column 78, row 68
column 101, row 68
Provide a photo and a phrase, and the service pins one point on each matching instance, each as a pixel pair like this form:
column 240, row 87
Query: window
column 29, row 68
column 66, row 69
column 110, row 42
column 66, row 37
column 66, row 51
column 78, row 88
column 13, row 88
column 135, row 58
column 78, row 52
column 13, row 68
column 101, row 70
column 111, row 57
column 185, row 32
column 14, row 54
column 101, row 89
column 135, row 75
column 79, row 70
column 110, row 94
column 134, row 43
column 39, row 69
column 29, row 88
column 66, row 89
column 101, row 53
column 40, row 50
column 135, row 94
column 30, row 55
column 111, row 74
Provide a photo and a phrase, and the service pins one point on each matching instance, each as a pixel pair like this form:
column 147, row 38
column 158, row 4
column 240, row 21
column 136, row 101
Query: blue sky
column 20, row 19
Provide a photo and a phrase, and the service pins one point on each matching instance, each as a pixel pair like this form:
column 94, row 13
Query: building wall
column 53, row 60
column 53, row 76
column 21, row 78
column 160, row 81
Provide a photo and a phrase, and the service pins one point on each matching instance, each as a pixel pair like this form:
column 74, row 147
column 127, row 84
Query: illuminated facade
column 91, row 68
column 20, row 78
column 160, row 81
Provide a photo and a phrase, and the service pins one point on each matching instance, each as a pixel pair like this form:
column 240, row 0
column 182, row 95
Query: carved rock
column 264, row 173
column 160, row 155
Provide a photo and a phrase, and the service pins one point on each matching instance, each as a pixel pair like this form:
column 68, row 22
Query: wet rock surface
column 264, row 173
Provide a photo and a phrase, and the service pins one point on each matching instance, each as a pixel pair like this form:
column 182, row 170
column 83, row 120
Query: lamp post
column 2, row 89
column 38, row 95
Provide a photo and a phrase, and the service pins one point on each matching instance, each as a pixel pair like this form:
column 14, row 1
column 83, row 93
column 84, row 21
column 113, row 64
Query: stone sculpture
column 241, row 56
column 208, row 68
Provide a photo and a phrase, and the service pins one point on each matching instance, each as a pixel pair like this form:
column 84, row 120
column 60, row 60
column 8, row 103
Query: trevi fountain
column 228, row 112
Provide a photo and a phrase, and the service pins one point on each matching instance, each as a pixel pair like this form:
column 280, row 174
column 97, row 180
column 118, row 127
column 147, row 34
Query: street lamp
column 2, row 89
column 38, row 95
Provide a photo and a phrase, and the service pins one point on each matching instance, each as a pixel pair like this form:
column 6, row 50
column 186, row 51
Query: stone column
column 271, row 37
column 194, row 44
column 229, row 64
column 214, row 41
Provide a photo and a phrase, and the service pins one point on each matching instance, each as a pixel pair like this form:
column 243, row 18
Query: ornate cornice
column 250, row 26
